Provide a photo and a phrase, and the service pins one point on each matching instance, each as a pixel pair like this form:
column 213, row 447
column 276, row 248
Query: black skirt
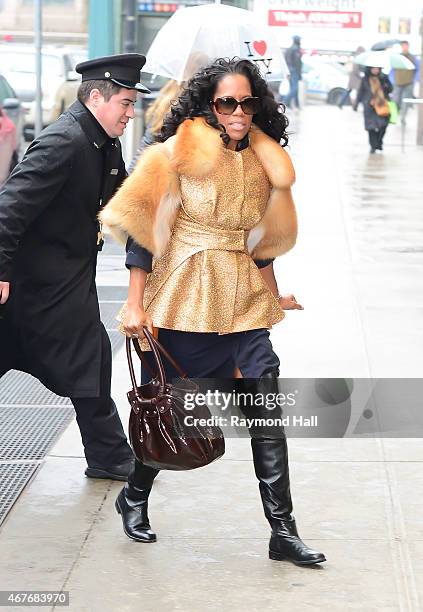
column 211, row 355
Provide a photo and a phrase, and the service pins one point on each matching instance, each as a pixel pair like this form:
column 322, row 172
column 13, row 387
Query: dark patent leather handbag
column 160, row 434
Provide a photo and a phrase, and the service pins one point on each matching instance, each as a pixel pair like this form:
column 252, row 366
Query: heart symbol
column 260, row 46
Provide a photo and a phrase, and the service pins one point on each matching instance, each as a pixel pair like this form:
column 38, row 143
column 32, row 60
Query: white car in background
column 325, row 79
column 59, row 80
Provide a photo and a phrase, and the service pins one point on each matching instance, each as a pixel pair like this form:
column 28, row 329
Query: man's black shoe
column 115, row 472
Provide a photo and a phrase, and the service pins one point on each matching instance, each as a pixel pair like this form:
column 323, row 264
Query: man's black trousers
column 101, row 429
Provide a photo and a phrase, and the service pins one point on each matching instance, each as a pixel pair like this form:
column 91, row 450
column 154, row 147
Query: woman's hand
column 135, row 319
column 288, row 302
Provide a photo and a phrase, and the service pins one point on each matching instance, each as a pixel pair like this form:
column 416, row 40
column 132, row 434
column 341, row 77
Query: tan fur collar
column 146, row 205
column 196, row 146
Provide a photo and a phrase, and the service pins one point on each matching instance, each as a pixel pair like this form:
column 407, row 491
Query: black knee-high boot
column 270, row 456
column 132, row 503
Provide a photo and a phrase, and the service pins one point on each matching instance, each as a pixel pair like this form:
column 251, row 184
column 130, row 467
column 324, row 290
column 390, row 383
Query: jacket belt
column 196, row 235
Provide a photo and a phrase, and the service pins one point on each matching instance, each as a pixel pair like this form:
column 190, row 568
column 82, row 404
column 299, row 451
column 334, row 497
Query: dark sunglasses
column 228, row 105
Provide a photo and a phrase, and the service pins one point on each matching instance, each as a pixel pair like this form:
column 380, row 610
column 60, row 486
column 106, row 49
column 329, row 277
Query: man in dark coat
column 49, row 239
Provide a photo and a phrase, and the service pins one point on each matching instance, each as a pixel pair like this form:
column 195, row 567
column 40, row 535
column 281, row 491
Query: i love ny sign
column 255, row 52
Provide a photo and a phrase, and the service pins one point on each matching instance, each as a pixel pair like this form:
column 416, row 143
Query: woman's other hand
column 135, row 319
column 288, row 302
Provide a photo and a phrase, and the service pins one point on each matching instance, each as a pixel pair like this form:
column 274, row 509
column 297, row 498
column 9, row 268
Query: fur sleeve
column 146, row 204
column 276, row 233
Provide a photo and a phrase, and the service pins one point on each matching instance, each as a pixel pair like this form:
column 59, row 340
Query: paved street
column 357, row 271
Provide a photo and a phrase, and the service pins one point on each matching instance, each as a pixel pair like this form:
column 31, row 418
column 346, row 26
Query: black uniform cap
column 124, row 70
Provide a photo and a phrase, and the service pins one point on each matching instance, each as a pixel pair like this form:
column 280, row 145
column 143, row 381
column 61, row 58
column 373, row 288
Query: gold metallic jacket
column 205, row 212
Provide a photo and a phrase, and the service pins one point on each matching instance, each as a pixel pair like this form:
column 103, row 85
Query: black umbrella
column 385, row 44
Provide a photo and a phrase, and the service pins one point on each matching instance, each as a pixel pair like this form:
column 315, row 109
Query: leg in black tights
column 381, row 135
column 373, row 140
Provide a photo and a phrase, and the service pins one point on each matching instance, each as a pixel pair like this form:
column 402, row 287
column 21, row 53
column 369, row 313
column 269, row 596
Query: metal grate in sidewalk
column 28, row 432
column 13, row 479
column 19, row 388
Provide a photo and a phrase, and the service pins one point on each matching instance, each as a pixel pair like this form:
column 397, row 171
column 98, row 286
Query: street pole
column 420, row 106
column 38, row 41
column 129, row 45
column 129, row 26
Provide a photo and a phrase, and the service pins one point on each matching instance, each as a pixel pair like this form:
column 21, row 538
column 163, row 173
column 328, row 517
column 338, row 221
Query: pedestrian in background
column 404, row 81
column 295, row 66
column 168, row 94
column 49, row 240
column 374, row 93
column 154, row 117
column 219, row 181
column 354, row 80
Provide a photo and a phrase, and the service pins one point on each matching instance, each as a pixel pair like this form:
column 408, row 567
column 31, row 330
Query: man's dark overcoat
column 50, row 327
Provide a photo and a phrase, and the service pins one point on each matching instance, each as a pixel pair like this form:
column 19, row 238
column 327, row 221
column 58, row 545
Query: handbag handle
column 155, row 347
column 161, row 372
column 164, row 352
column 131, row 368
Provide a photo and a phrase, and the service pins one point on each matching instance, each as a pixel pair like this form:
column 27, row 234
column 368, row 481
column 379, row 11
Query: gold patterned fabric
column 206, row 281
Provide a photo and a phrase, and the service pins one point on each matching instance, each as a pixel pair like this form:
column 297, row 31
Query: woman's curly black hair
column 194, row 101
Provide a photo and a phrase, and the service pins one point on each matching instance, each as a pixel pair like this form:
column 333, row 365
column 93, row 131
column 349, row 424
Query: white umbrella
column 384, row 59
column 195, row 36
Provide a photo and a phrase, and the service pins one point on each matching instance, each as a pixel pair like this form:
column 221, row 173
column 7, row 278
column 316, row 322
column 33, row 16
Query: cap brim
column 143, row 88
column 137, row 86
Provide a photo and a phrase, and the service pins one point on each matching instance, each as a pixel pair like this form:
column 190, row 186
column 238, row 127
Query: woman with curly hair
column 212, row 203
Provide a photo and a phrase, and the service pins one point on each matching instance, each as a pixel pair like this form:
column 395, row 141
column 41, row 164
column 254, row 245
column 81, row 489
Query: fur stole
column 146, row 205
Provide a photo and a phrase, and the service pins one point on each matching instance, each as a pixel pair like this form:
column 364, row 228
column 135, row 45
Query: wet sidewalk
column 356, row 269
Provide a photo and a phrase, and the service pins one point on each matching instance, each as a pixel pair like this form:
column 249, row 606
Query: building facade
column 341, row 25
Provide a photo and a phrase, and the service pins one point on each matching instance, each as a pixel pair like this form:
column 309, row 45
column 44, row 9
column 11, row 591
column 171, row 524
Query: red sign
column 315, row 19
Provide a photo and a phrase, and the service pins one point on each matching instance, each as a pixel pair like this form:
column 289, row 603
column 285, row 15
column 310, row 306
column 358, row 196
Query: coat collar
column 195, row 151
column 243, row 144
column 92, row 128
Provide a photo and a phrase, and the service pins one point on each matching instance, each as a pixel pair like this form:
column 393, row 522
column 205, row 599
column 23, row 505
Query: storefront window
column 384, row 25
column 404, row 25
